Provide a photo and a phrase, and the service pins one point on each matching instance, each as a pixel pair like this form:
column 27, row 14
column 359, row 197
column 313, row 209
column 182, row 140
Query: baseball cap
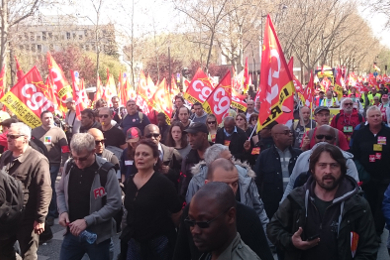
column 385, row 96
column 196, row 128
column 133, row 135
column 8, row 122
column 321, row 108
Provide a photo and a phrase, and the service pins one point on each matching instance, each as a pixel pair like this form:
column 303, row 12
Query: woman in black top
column 153, row 207
column 243, row 124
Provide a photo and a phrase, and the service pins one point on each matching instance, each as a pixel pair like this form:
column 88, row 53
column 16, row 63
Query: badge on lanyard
column 213, row 137
column 255, row 150
column 377, row 148
column 129, row 162
column 372, row 158
column 227, row 143
column 47, row 140
column 347, row 129
column 382, row 140
column 378, row 156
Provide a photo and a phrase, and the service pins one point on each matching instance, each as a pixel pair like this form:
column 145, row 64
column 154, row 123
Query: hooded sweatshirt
column 302, row 166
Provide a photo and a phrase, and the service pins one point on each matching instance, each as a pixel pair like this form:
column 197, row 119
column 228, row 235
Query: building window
column 43, row 36
column 20, row 38
column 25, row 36
column 62, row 37
column 32, row 37
column 51, row 47
column 68, row 35
column 87, row 47
column 50, row 35
column 74, row 36
column 38, row 38
column 85, row 33
column 27, row 47
column 80, row 37
column 33, row 48
column 39, row 48
column 21, row 47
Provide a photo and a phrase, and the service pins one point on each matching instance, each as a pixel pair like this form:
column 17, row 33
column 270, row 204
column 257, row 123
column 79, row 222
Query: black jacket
column 269, row 178
column 191, row 159
column 349, row 212
column 248, row 225
column 236, row 145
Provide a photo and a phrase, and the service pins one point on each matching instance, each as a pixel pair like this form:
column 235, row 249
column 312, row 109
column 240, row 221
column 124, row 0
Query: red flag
column 78, row 95
column 2, row 82
column 325, row 83
column 124, row 93
column 174, row 89
column 309, row 91
column 297, row 85
column 51, row 94
column 61, row 86
column 238, row 101
column 146, row 88
column 162, row 100
column 199, row 89
column 246, row 76
column 99, row 90
column 218, row 102
column 339, row 84
column 277, row 88
column 19, row 71
column 28, row 98
column 110, row 90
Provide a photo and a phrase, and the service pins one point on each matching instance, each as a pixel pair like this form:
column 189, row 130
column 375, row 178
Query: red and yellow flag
column 308, row 93
column 124, row 92
column 238, row 101
column 199, row 88
column 61, row 86
column 218, row 102
column 162, row 100
column 51, row 94
column 99, row 90
column 28, row 98
column 276, row 84
column 19, row 71
column 2, row 82
column 110, row 90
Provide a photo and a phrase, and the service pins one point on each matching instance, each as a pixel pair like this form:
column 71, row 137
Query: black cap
column 8, row 122
column 197, row 127
column 321, row 108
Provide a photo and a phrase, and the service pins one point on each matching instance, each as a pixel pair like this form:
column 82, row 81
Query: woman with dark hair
column 153, row 207
column 212, row 126
column 243, row 124
column 127, row 159
column 253, row 120
column 177, row 139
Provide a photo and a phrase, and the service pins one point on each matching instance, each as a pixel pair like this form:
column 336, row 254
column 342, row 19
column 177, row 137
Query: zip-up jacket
column 349, row 212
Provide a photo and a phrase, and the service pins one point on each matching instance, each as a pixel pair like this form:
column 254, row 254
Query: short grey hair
column 372, row 108
column 22, row 129
column 343, row 101
column 213, row 152
column 81, row 142
column 110, row 112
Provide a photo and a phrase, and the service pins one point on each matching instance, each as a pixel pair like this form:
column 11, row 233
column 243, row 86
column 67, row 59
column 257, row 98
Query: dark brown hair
column 334, row 152
column 156, row 154
column 170, row 142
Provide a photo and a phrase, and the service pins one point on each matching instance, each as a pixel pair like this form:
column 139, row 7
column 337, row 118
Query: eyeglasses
column 239, row 119
column 13, row 137
column 97, row 142
column 286, row 132
column 81, row 159
column 105, row 116
column 203, row 224
column 327, row 137
column 348, row 104
column 211, row 122
column 152, row 135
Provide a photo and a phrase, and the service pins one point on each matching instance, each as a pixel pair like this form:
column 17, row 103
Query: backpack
column 38, row 145
column 338, row 116
column 11, row 204
column 140, row 115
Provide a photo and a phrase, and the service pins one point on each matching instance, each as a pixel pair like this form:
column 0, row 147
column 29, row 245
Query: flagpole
column 253, row 131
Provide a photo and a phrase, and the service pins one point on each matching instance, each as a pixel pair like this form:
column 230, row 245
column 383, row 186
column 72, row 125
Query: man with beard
column 326, row 218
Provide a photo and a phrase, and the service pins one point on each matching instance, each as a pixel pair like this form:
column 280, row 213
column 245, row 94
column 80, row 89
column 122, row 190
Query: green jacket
column 356, row 216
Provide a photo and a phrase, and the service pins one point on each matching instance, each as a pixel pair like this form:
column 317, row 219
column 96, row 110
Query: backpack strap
column 103, row 173
column 296, row 122
column 337, row 118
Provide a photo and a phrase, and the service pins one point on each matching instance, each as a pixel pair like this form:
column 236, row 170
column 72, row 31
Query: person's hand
column 306, row 142
column 303, row 245
column 165, row 169
column 77, row 226
column 61, row 169
column 63, row 219
column 247, row 145
column 39, row 227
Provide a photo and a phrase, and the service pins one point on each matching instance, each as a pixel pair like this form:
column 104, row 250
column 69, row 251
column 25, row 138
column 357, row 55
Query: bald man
column 235, row 138
column 216, row 202
column 169, row 156
column 324, row 134
column 301, row 125
column 274, row 167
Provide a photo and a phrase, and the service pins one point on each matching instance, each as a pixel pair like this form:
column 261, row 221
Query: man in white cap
column 72, row 124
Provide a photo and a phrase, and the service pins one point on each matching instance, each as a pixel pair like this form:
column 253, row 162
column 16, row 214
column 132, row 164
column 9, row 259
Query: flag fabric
column 78, row 95
column 372, row 81
column 247, row 78
column 375, row 67
column 146, row 88
column 218, row 102
column 110, row 90
column 61, row 86
column 297, row 85
column 174, row 89
column 19, row 71
column 325, row 84
column 308, row 94
column 238, row 101
column 99, row 90
column 277, row 87
column 339, row 85
column 28, row 98
column 162, row 100
column 124, row 91
column 51, row 95
column 199, row 88
column 2, row 82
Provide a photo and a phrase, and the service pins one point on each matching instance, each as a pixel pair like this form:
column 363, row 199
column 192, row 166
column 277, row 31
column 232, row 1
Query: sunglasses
column 348, row 104
column 211, row 122
column 97, row 142
column 327, row 137
column 202, row 224
column 239, row 119
column 81, row 159
column 152, row 135
column 105, row 116
column 13, row 137
column 286, row 132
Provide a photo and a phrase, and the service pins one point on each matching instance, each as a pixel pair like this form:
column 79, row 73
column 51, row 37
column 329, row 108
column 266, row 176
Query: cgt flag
column 276, row 85
column 309, row 91
column 19, row 71
column 2, row 82
column 162, row 100
column 199, row 88
column 218, row 102
column 28, row 98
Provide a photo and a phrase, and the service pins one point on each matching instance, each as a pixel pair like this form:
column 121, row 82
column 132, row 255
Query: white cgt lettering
column 58, row 76
column 275, row 88
column 205, row 91
column 37, row 100
column 221, row 107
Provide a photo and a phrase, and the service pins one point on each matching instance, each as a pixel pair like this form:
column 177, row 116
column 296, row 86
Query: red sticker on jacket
column 372, row 158
column 378, row 156
column 99, row 192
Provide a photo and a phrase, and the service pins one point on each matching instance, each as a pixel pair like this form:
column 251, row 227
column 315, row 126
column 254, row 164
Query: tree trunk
column 210, row 49
column 4, row 36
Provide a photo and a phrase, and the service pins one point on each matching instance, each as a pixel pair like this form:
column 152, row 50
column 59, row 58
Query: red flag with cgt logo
column 276, row 85
column 199, row 89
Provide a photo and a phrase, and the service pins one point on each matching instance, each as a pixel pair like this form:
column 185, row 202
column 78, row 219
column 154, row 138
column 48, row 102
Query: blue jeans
column 53, row 203
column 73, row 249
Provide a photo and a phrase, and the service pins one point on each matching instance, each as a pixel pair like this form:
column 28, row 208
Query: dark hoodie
column 348, row 212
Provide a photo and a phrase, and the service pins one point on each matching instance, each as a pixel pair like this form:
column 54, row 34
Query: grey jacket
column 302, row 165
column 248, row 190
column 100, row 220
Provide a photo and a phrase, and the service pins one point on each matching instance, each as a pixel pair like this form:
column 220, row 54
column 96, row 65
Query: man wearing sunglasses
column 347, row 119
column 169, row 156
column 299, row 175
column 113, row 135
column 274, row 167
column 57, row 147
column 212, row 220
